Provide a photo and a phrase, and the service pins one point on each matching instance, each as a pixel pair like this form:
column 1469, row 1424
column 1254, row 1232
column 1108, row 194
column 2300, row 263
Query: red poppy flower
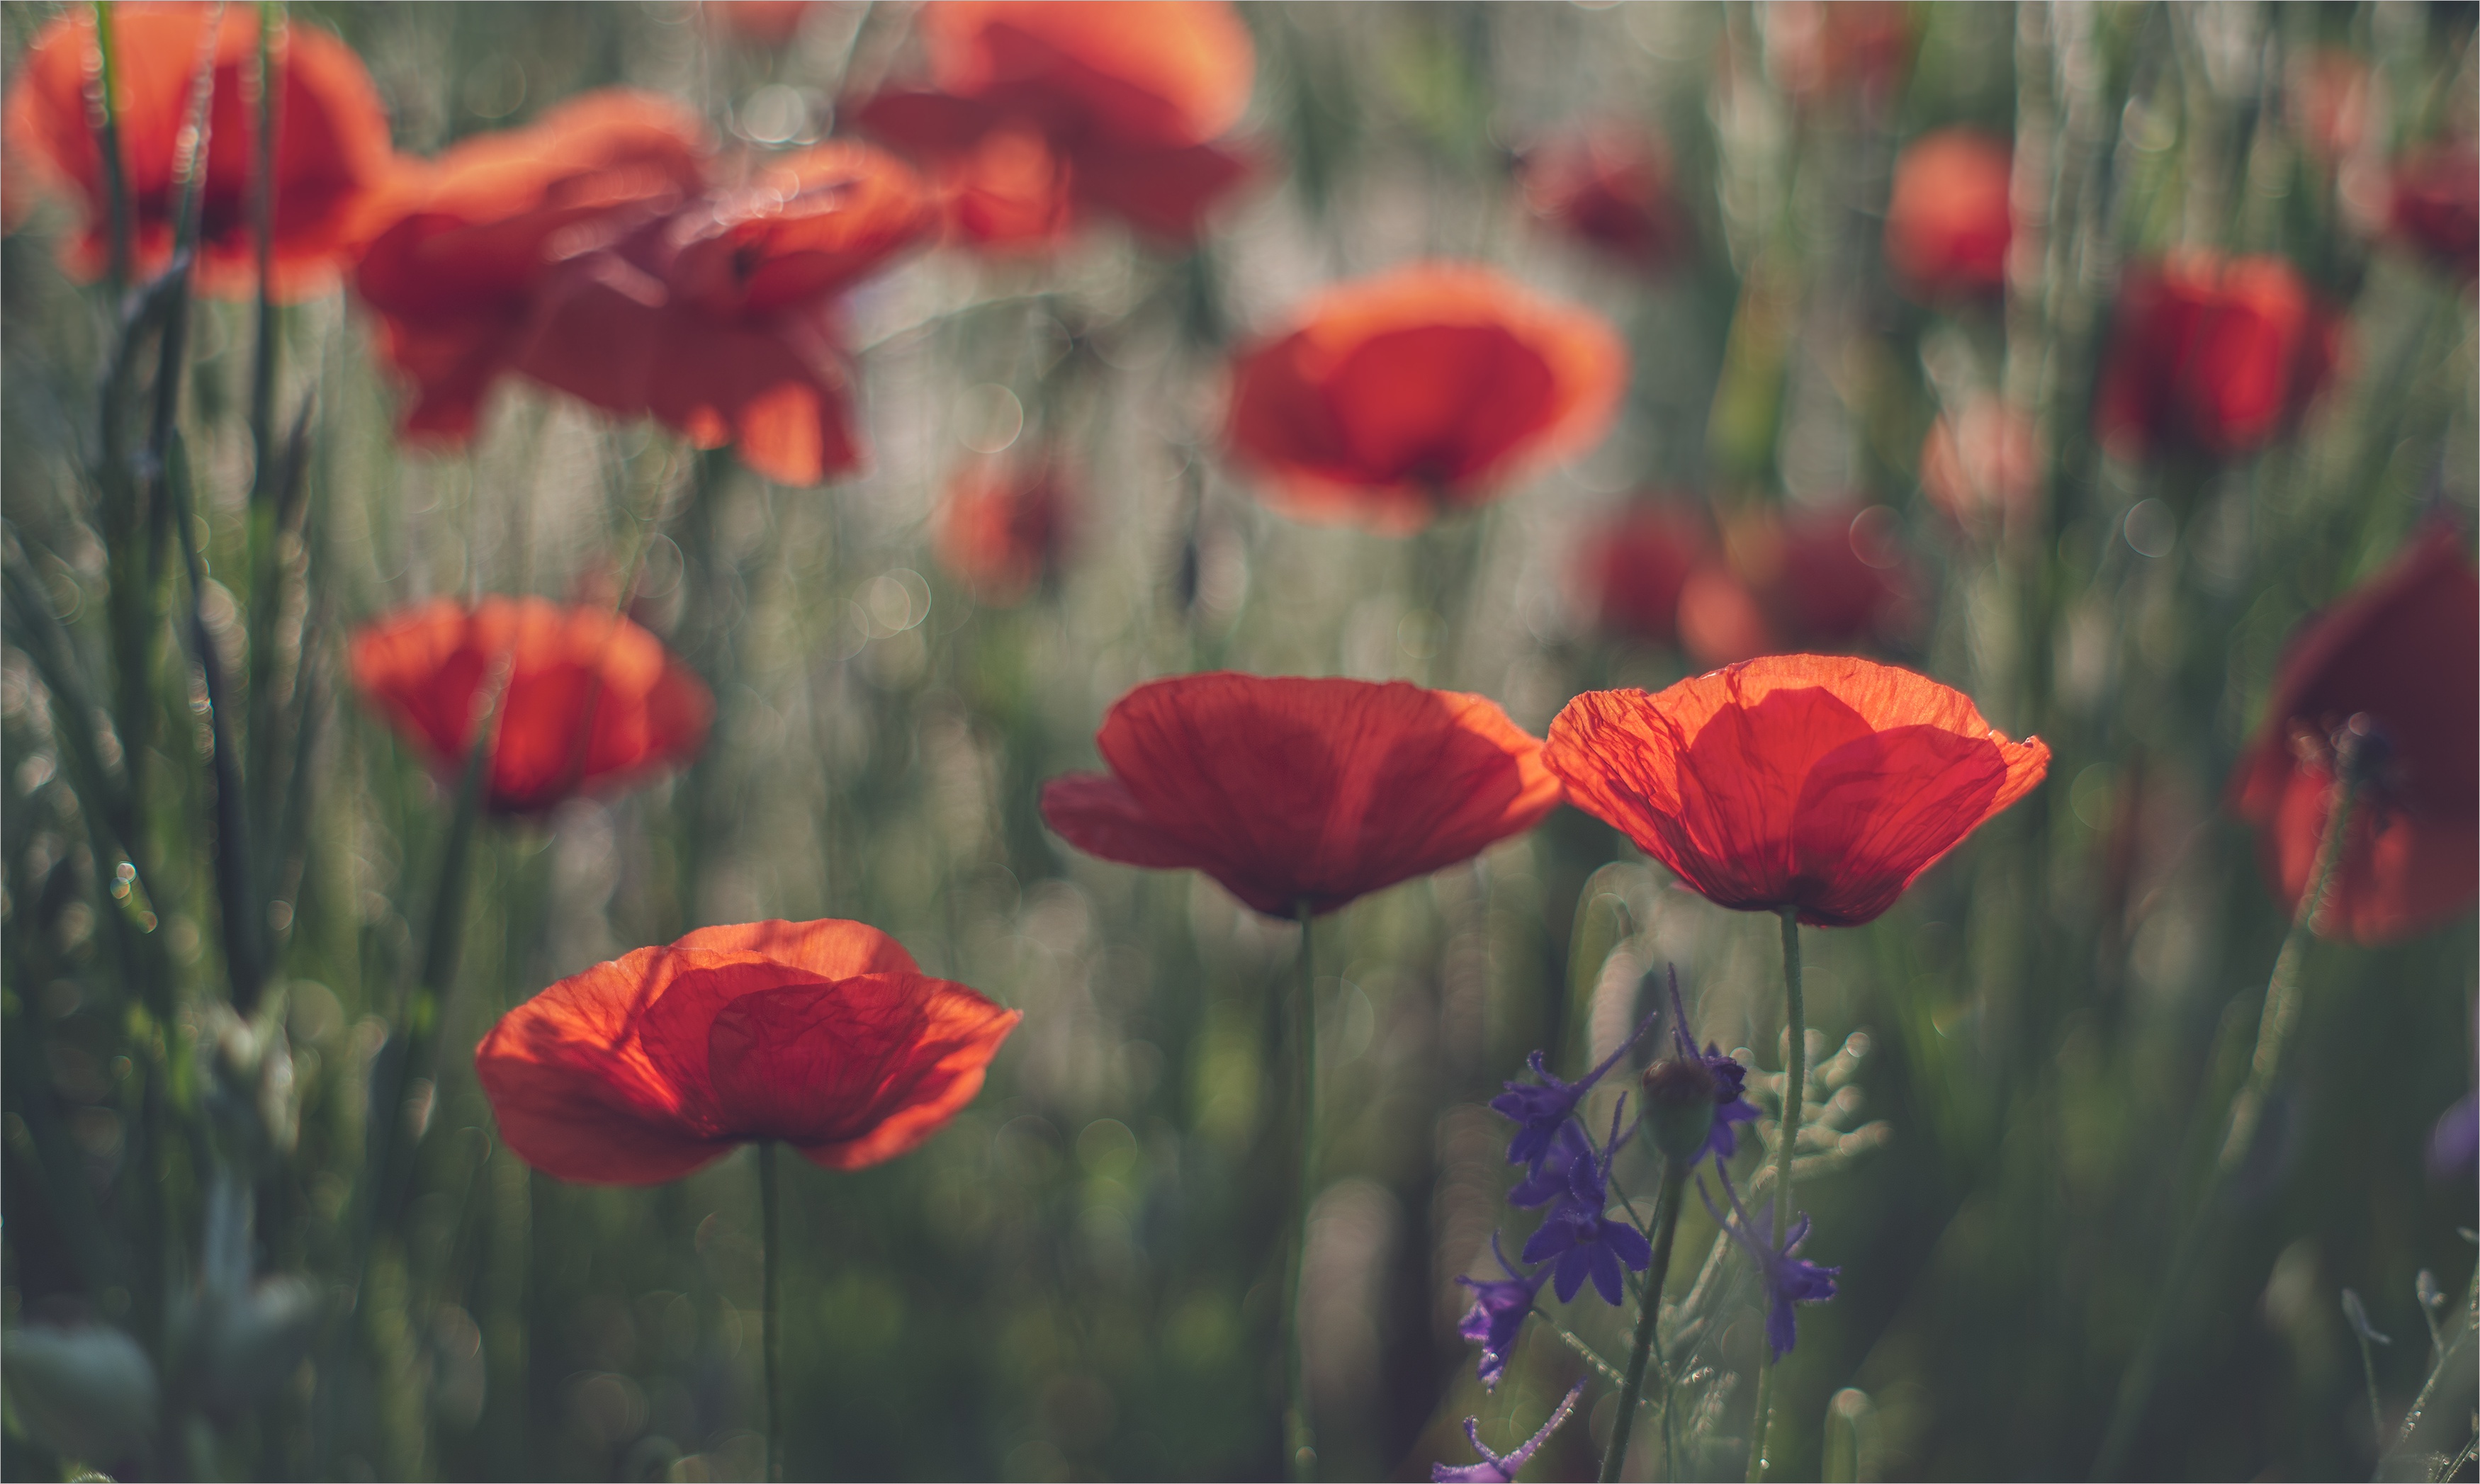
column 1039, row 112
column 1637, row 564
column 331, row 147
column 1800, row 780
column 1948, row 221
column 1609, row 188
column 1420, row 391
column 2329, row 101
column 460, row 244
column 1980, row 463
column 1826, row 578
column 1004, row 528
column 1295, row 790
column 2219, row 355
column 1817, row 49
column 591, row 699
column 2436, row 205
column 2404, row 651
column 825, row 1035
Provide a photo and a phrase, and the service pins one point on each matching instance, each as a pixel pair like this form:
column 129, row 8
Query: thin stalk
column 771, row 1304
column 1299, row 1440
column 104, row 108
column 2282, row 1005
column 1785, row 1147
column 1648, row 1320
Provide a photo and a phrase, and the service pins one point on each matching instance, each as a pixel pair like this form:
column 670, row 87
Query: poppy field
column 1057, row 740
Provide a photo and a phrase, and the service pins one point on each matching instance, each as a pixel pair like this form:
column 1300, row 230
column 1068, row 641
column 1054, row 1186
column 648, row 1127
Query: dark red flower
column 1637, row 563
column 1295, row 790
column 2329, row 102
column 1800, row 780
column 1981, row 463
column 332, row 146
column 591, row 701
column 825, row 1035
column 2217, row 354
column 1039, row 112
column 1817, row 49
column 2436, row 205
column 1420, row 391
column 1004, row 528
column 1948, row 221
column 1833, row 577
column 1608, row 187
column 461, row 244
column 2403, row 650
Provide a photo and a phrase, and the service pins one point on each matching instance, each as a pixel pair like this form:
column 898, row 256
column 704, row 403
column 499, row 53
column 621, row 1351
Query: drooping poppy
column 1424, row 390
column 1948, row 221
column 1980, row 463
column 718, row 319
column 2435, row 205
column 590, row 701
column 2403, row 650
column 331, row 144
column 1292, row 790
column 1812, row 782
column 1002, row 528
column 825, row 1035
column 1608, row 187
column 1038, row 113
column 2216, row 354
column 1635, row 564
column 460, row 244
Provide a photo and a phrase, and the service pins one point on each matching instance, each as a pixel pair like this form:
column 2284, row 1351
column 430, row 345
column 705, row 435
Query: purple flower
column 1540, row 1110
column 1584, row 1241
column 1549, row 1180
column 1788, row 1280
column 2454, row 1143
column 1498, row 1314
column 1497, row 1468
column 1692, row 1097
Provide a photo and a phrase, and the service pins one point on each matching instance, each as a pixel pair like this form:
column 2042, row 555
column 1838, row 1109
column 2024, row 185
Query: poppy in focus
column 1003, row 529
column 1799, row 780
column 2402, row 650
column 1038, row 113
column 825, row 1035
column 1610, row 188
column 590, row 701
column 2216, row 354
column 1424, row 390
column 331, row 146
column 1635, row 564
column 1291, row 791
column 460, row 244
column 1980, row 463
column 2436, row 205
column 1948, row 222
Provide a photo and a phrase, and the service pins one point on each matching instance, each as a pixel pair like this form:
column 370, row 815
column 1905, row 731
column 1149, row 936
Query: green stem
column 1648, row 1319
column 2281, row 1015
column 1786, row 1148
column 1299, row 1440
column 116, row 178
column 771, row 1303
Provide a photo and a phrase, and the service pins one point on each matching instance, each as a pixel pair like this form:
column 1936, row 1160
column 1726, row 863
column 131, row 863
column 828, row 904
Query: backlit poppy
column 591, row 699
column 332, row 146
column 1420, row 391
column 1609, row 188
column 1636, row 563
column 1039, row 112
column 2216, row 354
column 1301, row 790
column 460, row 244
column 825, row 1035
column 1004, row 529
column 2436, row 205
column 1980, row 463
column 1948, row 222
column 2403, row 650
column 1799, row 780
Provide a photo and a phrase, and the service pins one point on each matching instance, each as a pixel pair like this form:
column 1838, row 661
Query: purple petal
column 1606, row 1272
column 1569, row 1275
column 2454, row 1144
column 1628, row 1244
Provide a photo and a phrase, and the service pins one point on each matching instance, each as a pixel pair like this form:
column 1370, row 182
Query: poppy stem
column 2282, row 1005
column 1299, row 1440
column 1785, row 1147
column 771, row 1304
column 1648, row 1322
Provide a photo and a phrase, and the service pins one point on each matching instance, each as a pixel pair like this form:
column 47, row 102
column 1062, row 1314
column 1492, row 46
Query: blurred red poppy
column 1948, row 221
column 2403, row 650
column 1420, row 391
column 331, row 144
column 591, row 701
column 1004, row 529
column 825, row 1035
column 1039, row 112
column 1301, row 790
column 2436, row 205
column 460, row 244
column 1799, row 780
column 1635, row 565
column 1981, row 463
column 2217, row 354
column 1817, row 49
column 1610, row 187
column 758, row 22
column 1834, row 577
column 2329, row 102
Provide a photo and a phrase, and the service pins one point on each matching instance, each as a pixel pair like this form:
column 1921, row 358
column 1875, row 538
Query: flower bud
column 1678, row 1107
